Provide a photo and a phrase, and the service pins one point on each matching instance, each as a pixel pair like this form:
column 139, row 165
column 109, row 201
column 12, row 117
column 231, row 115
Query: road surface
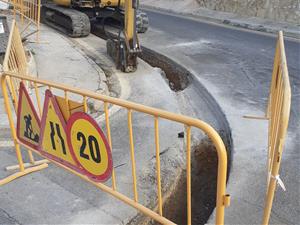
column 236, row 66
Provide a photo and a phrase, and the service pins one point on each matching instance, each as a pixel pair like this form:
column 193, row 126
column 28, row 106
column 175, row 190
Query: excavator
column 73, row 17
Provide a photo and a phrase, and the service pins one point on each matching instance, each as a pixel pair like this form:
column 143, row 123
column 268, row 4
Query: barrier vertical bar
column 188, row 175
column 22, row 11
column 13, row 91
column 114, row 186
column 38, row 99
column 14, row 8
column 67, row 103
column 11, row 124
column 38, row 19
column 132, row 155
column 157, row 154
column 85, row 104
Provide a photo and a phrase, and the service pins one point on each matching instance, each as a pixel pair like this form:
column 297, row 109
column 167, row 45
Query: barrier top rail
column 222, row 199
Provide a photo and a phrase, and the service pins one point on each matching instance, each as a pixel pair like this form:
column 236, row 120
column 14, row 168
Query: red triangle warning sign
column 28, row 122
column 53, row 141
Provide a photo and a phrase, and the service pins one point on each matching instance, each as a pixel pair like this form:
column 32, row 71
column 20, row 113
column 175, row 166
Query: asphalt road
column 235, row 65
column 214, row 48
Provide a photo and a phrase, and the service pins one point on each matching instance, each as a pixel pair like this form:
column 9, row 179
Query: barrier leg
column 23, row 173
column 21, row 167
column 272, row 185
column 26, row 165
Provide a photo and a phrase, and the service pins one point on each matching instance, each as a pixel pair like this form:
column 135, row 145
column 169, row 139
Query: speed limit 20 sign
column 89, row 146
column 78, row 143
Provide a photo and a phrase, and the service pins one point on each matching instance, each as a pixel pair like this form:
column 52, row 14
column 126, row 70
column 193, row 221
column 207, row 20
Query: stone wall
column 278, row 10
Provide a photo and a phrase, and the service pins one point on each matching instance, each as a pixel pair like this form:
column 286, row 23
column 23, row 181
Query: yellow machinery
column 125, row 47
column 73, row 18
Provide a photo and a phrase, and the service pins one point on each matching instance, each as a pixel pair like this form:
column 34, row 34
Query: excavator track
column 69, row 21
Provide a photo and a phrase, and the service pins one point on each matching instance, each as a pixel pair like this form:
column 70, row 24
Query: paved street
column 236, row 66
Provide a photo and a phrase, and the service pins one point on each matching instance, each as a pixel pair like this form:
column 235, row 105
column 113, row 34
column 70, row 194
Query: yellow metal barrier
column 222, row 199
column 15, row 61
column 278, row 113
column 29, row 12
column 15, row 57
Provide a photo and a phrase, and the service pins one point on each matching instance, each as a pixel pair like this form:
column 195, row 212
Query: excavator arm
column 125, row 48
column 72, row 17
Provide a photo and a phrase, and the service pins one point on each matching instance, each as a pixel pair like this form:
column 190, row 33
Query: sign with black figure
column 28, row 121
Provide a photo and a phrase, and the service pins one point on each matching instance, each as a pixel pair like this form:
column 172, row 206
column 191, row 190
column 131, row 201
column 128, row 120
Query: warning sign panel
column 28, row 122
column 65, row 134
column 69, row 107
column 89, row 147
column 53, row 141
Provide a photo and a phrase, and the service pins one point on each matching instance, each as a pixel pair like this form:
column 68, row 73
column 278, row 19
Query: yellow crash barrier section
column 29, row 12
column 222, row 199
column 278, row 113
column 15, row 61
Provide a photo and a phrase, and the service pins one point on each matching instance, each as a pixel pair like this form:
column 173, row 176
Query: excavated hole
column 204, row 177
column 177, row 75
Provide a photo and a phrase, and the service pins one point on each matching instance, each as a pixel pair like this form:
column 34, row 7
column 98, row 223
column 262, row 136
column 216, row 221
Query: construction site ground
column 230, row 77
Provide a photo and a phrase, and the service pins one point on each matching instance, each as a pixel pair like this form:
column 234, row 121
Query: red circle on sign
column 84, row 116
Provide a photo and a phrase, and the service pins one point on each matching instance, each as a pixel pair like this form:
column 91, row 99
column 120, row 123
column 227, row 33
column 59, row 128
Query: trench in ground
column 204, row 174
column 204, row 156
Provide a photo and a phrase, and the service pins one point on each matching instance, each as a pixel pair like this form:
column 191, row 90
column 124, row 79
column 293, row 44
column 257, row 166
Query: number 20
column 93, row 147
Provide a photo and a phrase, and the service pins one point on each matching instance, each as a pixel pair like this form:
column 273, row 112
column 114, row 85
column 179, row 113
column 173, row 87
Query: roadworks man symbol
column 28, row 122
column 53, row 142
column 89, row 147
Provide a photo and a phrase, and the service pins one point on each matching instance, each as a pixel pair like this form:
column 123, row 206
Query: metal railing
column 222, row 199
column 278, row 113
column 15, row 59
column 29, row 12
